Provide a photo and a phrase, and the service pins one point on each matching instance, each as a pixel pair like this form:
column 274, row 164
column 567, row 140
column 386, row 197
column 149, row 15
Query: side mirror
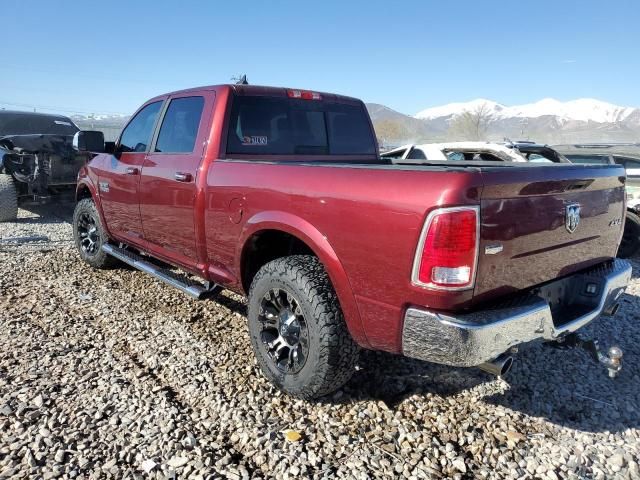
column 89, row 141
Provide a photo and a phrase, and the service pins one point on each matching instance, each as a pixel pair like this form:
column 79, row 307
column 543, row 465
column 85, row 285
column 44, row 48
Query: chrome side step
column 192, row 288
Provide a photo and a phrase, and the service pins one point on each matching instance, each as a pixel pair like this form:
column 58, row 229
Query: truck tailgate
column 530, row 232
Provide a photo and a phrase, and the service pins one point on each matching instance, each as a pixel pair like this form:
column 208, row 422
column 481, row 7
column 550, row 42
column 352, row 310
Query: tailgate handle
column 579, row 185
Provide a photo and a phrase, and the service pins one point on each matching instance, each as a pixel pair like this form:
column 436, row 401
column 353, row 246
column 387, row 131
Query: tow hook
column 612, row 360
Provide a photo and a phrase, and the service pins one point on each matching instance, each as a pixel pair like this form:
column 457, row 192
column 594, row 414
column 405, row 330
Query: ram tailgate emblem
column 572, row 217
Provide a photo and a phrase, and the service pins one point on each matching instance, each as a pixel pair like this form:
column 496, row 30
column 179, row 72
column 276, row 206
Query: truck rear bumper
column 547, row 312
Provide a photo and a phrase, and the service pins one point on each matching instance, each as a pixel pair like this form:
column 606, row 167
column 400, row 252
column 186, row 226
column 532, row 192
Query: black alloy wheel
column 284, row 330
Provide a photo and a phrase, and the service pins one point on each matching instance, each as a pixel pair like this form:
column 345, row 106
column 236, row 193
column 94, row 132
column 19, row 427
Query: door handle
column 182, row 177
column 132, row 171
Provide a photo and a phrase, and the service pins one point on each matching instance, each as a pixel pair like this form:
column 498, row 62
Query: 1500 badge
column 255, row 140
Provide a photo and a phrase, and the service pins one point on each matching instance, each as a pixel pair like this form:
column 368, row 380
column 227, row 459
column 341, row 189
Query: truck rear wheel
column 89, row 235
column 8, row 198
column 631, row 237
column 297, row 329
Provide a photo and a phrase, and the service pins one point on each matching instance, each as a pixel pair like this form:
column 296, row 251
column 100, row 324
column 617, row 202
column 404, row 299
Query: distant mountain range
column 584, row 109
column 548, row 121
column 551, row 121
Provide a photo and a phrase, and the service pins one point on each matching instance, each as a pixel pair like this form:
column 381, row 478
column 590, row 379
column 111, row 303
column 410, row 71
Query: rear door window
column 263, row 125
column 180, row 125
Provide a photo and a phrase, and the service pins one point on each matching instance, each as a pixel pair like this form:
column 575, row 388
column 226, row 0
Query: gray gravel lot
column 110, row 374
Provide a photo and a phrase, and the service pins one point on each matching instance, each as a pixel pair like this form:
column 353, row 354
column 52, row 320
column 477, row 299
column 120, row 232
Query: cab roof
column 261, row 90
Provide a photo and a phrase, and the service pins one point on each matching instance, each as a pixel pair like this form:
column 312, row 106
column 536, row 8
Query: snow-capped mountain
column 453, row 109
column 583, row 109
column 585, row 120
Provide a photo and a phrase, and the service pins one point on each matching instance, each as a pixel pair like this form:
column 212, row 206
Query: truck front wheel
column 8, row 198
column 89, row 235
column 297, row 329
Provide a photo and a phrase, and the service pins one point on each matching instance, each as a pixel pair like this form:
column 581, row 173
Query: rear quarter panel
column 363, row 222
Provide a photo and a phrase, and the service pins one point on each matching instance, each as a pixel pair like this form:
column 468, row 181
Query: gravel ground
column 110, row 374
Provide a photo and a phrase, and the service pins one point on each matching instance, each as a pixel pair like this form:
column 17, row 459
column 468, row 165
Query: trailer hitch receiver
column 612, row 360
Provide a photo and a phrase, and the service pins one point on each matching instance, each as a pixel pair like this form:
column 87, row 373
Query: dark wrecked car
column 37, row 160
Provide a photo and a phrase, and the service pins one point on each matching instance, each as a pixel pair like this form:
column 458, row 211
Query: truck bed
column 372, row 214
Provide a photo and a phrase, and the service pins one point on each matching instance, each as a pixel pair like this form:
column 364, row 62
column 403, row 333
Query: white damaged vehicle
column 474, row 151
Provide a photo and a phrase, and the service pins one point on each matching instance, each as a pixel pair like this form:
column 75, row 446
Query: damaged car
column 476, row 151
column 37, row 159
column 508, row 151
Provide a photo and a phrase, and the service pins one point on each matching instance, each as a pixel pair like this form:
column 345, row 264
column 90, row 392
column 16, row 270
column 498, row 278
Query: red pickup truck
column 280, row 194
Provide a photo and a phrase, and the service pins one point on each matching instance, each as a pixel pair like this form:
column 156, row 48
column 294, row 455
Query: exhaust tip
column 499, row 367
column 506, row 366
column 615, row 308
column 611, row 311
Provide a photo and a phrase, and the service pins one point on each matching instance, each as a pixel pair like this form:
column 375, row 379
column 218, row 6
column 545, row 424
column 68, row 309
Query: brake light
column 448, row 249
column 304, row 94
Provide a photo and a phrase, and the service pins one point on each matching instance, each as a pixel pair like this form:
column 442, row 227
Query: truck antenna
column 242, row 80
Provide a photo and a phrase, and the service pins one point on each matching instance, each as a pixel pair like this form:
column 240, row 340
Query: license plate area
column 572, row 297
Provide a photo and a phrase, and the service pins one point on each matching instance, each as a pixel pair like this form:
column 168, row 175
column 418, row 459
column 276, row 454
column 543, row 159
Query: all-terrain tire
column 86, row 213
column 332, row 353
column 631, row 236
column 8, row 198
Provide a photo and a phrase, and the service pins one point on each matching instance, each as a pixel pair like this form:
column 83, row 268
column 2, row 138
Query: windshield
column 18, row 123
column 263, row 125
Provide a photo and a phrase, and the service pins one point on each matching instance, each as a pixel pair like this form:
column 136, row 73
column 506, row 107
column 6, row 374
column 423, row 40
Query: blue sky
column 78, row 56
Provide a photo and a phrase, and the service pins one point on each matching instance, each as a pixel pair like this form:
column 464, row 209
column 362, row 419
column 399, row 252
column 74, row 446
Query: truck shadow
column 565, row 387
column 635, row 263
column 41, row 214
column 392, row 379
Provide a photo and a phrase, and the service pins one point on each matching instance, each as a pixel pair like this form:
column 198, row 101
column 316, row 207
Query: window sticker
column 255, row 140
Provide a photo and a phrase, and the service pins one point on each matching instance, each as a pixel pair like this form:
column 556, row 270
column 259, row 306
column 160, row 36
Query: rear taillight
column 448, row 249
column 304, row 94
